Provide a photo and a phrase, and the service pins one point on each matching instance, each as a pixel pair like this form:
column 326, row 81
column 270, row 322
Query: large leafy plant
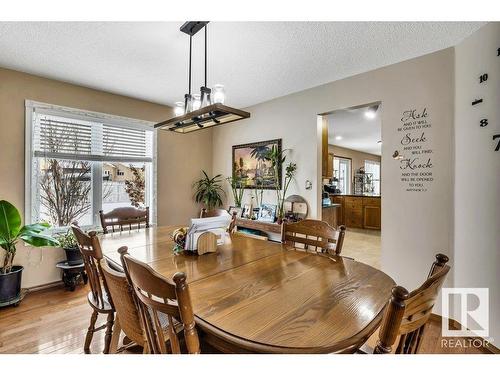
column 11, row 232
column 209, row 191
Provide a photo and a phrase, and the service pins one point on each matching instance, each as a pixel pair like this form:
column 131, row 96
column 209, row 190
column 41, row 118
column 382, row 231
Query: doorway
column 351, row 176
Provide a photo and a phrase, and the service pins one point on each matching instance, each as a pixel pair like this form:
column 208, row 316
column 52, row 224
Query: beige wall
column 180, row 157
column 477, row 170
column 358, row 157
column 415, row 225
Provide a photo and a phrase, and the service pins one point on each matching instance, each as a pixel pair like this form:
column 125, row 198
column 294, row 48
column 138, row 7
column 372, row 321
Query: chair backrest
column 156, row 294
column 220, row 212
column 212, row 213
column 407, row 313
column 125, row 304
column 92, row 256
column 314, row 235
column 124, row 216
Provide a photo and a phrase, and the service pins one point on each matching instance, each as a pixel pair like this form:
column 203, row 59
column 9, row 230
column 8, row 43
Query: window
column 372, row 169
column 342, row 174
column 74, row 158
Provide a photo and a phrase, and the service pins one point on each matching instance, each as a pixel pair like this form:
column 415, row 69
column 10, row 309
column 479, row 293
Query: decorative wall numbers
column 417, row 163
column 483, row 78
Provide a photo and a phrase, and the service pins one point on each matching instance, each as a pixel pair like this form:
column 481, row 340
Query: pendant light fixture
column 204, row 110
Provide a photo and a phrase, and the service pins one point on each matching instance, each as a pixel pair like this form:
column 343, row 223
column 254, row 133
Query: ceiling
column 358, row 132
column 256, row 61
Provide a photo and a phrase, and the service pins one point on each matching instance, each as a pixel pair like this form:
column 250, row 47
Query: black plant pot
column 10, row 286
column 73, row 256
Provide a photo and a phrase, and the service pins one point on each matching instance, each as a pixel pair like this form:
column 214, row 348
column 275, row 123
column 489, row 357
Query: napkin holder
column 207, row 243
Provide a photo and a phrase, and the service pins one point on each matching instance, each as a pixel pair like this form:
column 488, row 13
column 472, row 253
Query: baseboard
column 45, row 286
column 490, row 349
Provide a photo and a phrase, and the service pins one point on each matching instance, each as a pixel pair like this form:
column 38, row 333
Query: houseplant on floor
column 11, row 232
column 70, row 246
column 209, row 191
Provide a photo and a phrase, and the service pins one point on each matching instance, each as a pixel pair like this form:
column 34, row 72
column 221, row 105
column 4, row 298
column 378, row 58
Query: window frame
column 379, row 180
column 97, row 174
column 348, row 181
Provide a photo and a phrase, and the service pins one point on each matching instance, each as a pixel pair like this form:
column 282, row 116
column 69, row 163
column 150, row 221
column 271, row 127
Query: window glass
column 79, row 167
column 372, row 170
column 342, row 174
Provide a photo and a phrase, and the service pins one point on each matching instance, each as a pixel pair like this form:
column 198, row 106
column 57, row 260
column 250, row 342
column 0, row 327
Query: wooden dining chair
column 155, row 294
column 99, row 297
column 212, row 213
column 406, row 313
column 127, row 315
column 130, row 217
column 127, row 318
column 313, row 235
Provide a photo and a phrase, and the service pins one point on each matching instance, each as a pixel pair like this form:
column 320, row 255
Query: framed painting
column 251, row 166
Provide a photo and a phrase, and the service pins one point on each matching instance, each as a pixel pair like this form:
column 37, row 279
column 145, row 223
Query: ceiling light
column 371, row 112
column 179, row 109
column 338, row 137
column 200, row 111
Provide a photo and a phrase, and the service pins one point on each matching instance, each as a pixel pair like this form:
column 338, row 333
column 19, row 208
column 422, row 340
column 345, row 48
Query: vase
column 73, row 256
column 10, row 286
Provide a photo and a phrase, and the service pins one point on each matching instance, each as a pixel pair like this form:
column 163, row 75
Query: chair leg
column 109, row 329
column 90, row 332
column 115, row 337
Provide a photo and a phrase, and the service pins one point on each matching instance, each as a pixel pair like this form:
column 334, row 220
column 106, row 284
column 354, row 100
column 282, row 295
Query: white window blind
column 68, row 138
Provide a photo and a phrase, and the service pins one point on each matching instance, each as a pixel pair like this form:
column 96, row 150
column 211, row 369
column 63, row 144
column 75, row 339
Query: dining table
column 255, row 296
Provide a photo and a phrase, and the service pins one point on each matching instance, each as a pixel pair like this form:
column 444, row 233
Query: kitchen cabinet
column 329, row 214
column 353, row 212
column 339, row 199
column 324, row 148
column 371, row 213
column 358, row 211
column 330, row 166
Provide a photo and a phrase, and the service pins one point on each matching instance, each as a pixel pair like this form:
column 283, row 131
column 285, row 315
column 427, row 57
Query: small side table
column 71, row 275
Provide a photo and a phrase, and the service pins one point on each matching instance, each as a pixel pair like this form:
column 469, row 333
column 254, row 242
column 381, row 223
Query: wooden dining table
column 254, row 296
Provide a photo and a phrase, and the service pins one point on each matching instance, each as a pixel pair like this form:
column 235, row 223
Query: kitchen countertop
column 357, row 195
column 331, row 205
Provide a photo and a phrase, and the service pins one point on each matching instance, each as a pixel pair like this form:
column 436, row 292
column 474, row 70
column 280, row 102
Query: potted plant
column 209, row 191
column 237, row 188
column 277, row 158
column 11, row 232
column 70, row 245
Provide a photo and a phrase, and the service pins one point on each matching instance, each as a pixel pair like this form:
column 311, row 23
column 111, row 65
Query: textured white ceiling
column 256, row 61
column 357, row 131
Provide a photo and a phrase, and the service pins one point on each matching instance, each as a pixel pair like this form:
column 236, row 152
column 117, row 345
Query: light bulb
column 218, row 94
column 196, row 102
column 338, row 137
column 179, row 109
